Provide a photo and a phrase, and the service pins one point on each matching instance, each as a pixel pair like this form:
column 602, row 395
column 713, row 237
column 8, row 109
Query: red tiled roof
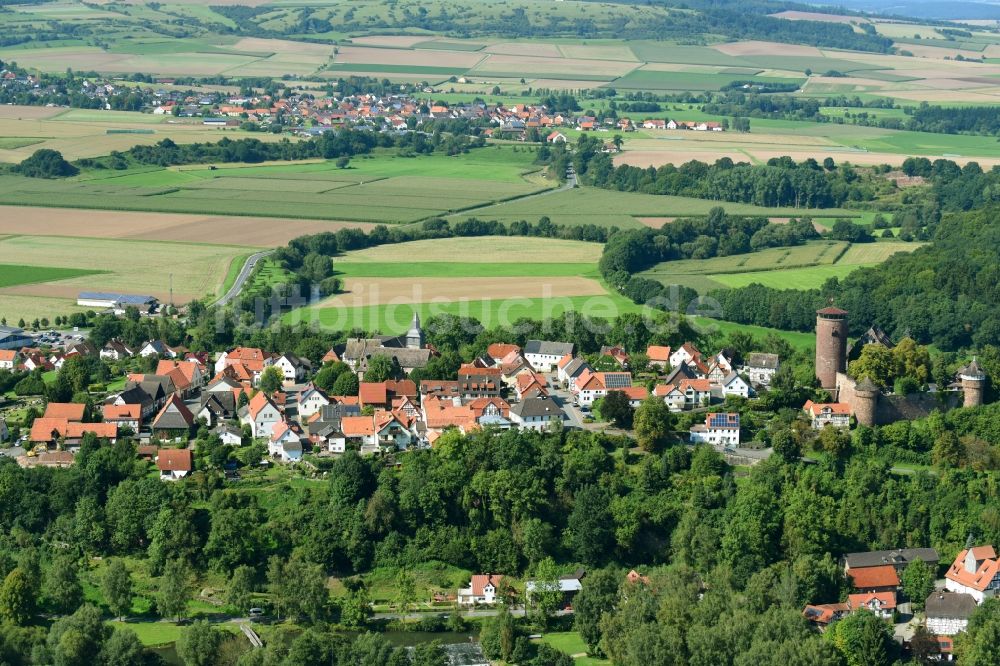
column 887, row 599
column 372, row 393
column 501, row 349
column 174, row 460
column 814, row 408
column 871, row 577
column 831, row 311
column 987, row 570
column 357, row 426
column 122, row 412
column 70, row 411
column 479, row 581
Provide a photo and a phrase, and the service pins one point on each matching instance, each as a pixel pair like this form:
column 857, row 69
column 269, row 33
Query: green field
column 384, row 188
column 607, row 208
column 12, row 274
column 803, row 267
column 647, row 79
column 570, row 642
column 445, row 269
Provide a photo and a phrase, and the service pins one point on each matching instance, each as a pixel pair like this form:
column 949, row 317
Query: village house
column 836, row 414
column 569, row 367
column 409, row 351
column 293, row 369
column 482, row 590
column 976, row 572
column 310, row 401
column 591, row 386
column 9, row 359
column 537, row 413
column 734, row 385
column 475, row 382
column 156, row 348
column 124, row 416
column 261, row 414
column 658, row 356
column 718, row 430
column 875, row 579
column 174, row 464
column 284, row 443
column 882, row 604
column 543, row 355
column 568, row 585
column 685, row 354
column 672, row 396
column 174, row 421
column 498, row 351
column 116, row 350
column 760, row 368
column 250, row 362
column 898, row 559
column 948, row 612
column 821, row 615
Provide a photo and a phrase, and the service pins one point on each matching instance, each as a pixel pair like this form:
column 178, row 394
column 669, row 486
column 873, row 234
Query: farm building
column 14, row 338
column 116, row 302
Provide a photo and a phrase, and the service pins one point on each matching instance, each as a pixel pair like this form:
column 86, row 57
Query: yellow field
column 142, row 267
column 489, row 249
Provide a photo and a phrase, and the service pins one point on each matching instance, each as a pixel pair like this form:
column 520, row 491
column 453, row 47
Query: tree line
column 779, row 183
column 944, row 293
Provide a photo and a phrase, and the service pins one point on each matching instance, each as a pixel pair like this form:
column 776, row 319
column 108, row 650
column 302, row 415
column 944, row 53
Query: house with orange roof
column 882, row 604
column 821, row 615
column 284, row 443
column 252, row 360
column 875, row 579
column 9, row 359
column 482, row 590
column 672, row 396
column 70, row 411
column 976, row 572
column 261, row 413
column 373, row 394
column 50, row 431
column 498, row 350
column 124, row 416
column 635, row 395
column 187, row 376
column 659, row 356
column 174, row 464
column 836, row 414
column 530, row 382
column 591, row 385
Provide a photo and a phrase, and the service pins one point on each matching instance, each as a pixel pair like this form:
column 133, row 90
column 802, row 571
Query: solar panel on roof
column 617, row 381
column 723, row 420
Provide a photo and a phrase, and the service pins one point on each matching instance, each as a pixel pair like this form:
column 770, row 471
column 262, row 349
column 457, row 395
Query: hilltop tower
column 415, row 336
column 865, row 403
column 973, row 383
column 831, row 345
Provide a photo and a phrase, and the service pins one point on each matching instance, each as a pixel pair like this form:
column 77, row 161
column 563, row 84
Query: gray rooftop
column 767, row 361
column 124, row 299
column 548, row 348
column 898, row 557
column 950, row 605
column 537, row 407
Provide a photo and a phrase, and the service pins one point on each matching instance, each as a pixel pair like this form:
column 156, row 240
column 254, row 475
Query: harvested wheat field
column 398, row 41
column 755, row 48
column 657, row 158
column 480, row 249
column 131, row 266
column 524, row 64
column 655, row 222
column 124, row 225
column 29, row 112
column 526, row 49
column 360, row 292
column 816, row 16
column 360, row 55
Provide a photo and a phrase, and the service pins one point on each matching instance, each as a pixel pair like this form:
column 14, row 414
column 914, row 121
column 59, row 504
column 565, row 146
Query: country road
column 241, row 279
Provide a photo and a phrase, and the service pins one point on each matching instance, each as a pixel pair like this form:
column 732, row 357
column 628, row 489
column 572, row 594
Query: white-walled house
column 721, row 429
column 293, row 369
column 883, row 604
column 733, row 384
column 976, row 572
column 284, row 444
column 539, row 413
column 948, row 612
column 684, row 354
column 482, row 590
column 760, row 368
column 311, row 400
column 543, row 355
column 261, row 413
column 836, row 414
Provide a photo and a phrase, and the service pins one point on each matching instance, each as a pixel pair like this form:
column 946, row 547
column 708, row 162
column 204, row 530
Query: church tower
column 415, row 336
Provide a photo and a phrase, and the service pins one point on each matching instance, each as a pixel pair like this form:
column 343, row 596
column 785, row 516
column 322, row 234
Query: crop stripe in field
column 841, row 254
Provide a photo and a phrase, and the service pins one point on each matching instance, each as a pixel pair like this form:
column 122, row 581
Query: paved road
column 241, row 279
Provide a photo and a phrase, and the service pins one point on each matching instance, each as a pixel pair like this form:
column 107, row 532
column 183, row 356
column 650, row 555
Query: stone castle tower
column 973, row 383
column 865, row 402
column 831, row 345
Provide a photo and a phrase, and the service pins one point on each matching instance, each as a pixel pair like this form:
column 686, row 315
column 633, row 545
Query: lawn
column 570, row 642
column 14, row 274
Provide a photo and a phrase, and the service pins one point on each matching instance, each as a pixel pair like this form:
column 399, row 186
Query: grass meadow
column 12, row 275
